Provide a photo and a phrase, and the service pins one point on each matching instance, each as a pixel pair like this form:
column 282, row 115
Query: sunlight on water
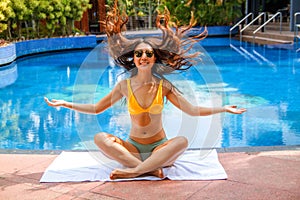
column 269, row 88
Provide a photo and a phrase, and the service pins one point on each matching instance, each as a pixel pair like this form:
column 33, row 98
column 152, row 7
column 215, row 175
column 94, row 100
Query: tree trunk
column 37, row 29
column 63, row 30
column 27, row 30
column 73, row 27
column 9, row 29
column 150, row 14
column 102, row 14
column 19, row 27
column 69, row 27
column 33, row 24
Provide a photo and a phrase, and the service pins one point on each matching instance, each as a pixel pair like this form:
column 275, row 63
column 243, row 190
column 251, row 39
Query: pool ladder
column 239, row 24
column 296, row 28
column 263, row 26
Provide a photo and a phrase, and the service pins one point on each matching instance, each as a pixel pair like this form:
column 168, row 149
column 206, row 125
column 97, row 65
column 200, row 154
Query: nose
column 144, row 55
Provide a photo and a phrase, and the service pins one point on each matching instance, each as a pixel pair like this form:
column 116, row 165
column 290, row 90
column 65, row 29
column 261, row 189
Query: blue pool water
column 263, row 80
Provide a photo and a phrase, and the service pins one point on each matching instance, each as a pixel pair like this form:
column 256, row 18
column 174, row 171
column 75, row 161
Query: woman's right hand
column 54, row 102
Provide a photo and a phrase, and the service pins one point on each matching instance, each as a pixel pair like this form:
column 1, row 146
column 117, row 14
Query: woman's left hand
column 234, row 110
column 54, row 102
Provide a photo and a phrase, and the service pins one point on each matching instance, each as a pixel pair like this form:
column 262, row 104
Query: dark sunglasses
column 139, row 53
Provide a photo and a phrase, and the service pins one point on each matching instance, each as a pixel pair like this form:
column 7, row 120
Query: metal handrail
column 278, row 13
column 241, row 31
column 237, row 24
column 296, row 26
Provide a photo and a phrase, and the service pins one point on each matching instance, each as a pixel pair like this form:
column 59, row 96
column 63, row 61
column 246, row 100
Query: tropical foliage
column 138, row 8
column 39, row 18
column 6, row 12
column 206, row 12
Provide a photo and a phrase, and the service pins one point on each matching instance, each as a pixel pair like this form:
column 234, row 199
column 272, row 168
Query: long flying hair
column 171, row 49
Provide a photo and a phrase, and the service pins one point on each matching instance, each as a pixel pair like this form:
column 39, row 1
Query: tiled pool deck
column 254, row 174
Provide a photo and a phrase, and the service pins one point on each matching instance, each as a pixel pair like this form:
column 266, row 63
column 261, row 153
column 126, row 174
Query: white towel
column 90, row 166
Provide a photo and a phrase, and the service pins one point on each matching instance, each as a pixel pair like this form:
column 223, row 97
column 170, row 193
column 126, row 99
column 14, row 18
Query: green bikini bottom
column 146, row 149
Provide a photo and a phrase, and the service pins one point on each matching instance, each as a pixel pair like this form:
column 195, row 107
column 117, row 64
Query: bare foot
column 123, row 173
column 158, row 173
column 129, row 173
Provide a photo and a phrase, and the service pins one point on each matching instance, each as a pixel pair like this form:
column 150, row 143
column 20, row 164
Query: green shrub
column 39, row 18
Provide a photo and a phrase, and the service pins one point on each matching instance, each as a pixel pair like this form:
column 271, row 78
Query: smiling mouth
column 144, row 63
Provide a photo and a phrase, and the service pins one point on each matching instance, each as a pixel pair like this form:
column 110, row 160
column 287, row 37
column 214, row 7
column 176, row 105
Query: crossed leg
column 126, row 154
column 117, row 149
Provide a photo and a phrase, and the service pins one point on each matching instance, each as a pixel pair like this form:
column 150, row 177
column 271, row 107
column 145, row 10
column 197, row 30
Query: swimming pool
column 263, row 80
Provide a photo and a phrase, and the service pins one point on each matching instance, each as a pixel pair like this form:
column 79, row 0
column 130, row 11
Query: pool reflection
column 270, row 94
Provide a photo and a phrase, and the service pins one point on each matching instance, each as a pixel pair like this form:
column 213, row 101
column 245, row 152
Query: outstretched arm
column 180, row 102
column 96, row 108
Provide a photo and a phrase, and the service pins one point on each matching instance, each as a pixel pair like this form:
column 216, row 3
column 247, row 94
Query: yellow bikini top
column 155, row 108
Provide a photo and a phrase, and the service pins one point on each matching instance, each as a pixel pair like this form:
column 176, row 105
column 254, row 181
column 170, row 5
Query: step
column 278, row 23
column 277, row 28
column 271, row 26
column 265, row 40
column 273, row 35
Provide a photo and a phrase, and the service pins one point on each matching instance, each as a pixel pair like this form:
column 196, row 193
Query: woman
column 147, row 150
